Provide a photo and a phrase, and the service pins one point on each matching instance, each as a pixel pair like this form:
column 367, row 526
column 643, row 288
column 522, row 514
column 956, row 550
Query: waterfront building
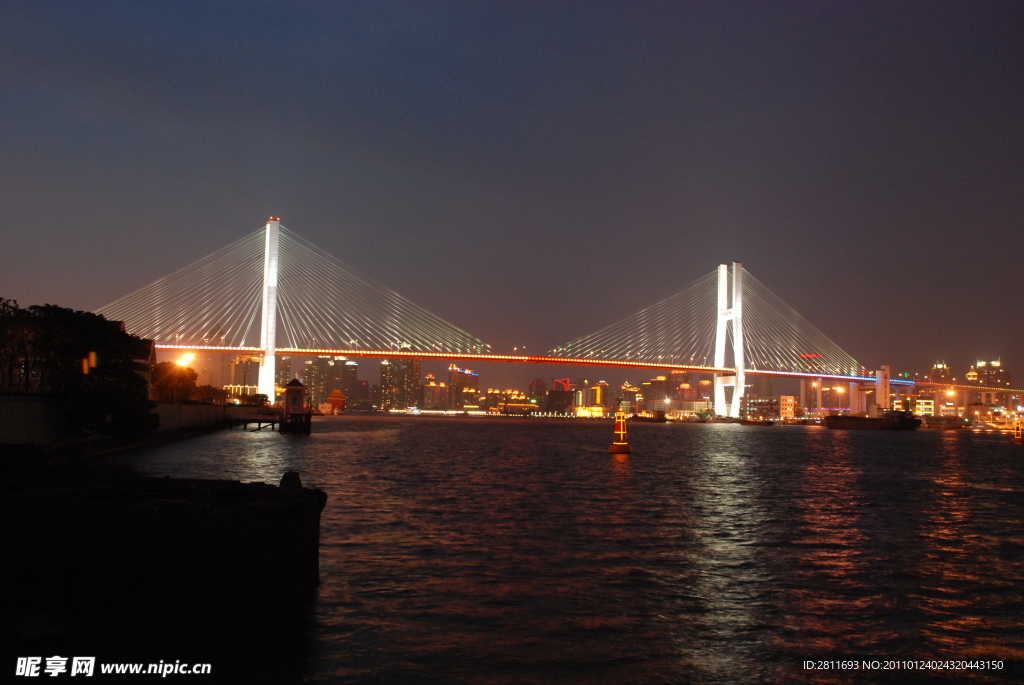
column 923, row 406
column 658, row 389
column 317, row 379
column 629, row 393
column 768, row 407
column 399, row 383
column 686, row 392
column 463, row 387
column 992, row 373
column 435, row 395
column 363, row 391
column 213, row 368
column 690, row 408
column 559, row 401
column 537, row 390
column 705, row 389
column 600, row 395
column 350, row 380
column 246, row 370
column 500, row 400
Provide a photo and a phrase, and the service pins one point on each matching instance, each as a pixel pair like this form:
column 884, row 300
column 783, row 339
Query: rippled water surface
column 520, row 551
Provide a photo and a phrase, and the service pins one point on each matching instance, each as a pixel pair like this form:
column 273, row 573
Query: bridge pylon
column 268, row 316
column 726, row 314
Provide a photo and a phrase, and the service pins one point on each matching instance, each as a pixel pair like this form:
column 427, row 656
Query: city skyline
column 535, row 173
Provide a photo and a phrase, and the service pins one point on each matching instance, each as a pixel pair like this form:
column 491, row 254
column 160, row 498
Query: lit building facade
column 399, row 383
column 992, row 374
column 463, row 387
column 435, row 395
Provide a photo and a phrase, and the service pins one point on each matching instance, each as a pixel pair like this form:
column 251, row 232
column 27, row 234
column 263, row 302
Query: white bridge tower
column 268, row 318
column 725, row 315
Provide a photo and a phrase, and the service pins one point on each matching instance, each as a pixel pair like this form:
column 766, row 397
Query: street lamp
column 839, row 404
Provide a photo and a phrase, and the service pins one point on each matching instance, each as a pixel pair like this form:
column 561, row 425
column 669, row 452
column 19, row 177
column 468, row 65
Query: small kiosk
column 296, row 416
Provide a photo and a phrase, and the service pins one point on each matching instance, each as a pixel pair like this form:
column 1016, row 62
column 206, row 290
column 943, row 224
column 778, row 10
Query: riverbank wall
column 35, row 424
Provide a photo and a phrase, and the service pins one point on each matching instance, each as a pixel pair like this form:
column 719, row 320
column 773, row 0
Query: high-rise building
column 658, row 389
column 559, row 401
column 463, row 387
column 399, row 383
column 349, row 380
column 679, row 382
column 686, row 392
column 600, row 395
column 317, row 379
column 213, row 368
column 363, row 391
column 538, row 389
column 629, row 393
column 705, row 389
column 247, row 370
column 435, row 395
column 940, row 373
column 283, row 368
column 992, row 374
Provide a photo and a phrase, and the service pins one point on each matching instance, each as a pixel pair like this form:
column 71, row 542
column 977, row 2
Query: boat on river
column 890, row 420
column 756, row 422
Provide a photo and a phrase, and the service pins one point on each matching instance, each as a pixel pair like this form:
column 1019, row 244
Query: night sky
column 532, row 172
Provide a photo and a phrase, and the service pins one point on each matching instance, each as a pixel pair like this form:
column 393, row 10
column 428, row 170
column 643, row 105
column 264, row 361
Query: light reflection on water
column 469, row 550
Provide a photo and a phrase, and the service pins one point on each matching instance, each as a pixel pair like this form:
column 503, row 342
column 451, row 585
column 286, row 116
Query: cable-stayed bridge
column 273, row 293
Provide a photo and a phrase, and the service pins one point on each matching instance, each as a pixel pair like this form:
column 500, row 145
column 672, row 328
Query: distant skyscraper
column 629, row 393
column 658, row 389
column 247, row 369
column 992, row 374
column 318, row 379
column 435, row 395
column 399, row 383
column 940, row 373
column 463, row 387
column 283, row 370
column 363, row 391
column 349, row 380
column 538, row 389
column 213, row 368
column 600, row 395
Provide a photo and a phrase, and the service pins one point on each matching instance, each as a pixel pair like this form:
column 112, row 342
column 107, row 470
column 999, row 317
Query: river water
column 465, row 550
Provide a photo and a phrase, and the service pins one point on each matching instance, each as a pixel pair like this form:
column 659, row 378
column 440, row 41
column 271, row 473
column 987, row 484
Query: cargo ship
column 889, row 421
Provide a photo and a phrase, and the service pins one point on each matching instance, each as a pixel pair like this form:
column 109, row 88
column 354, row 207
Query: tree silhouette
column 89, row 364
column 172, row 382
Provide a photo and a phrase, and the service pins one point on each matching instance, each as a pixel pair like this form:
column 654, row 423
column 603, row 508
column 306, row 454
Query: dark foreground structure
column 124, row 543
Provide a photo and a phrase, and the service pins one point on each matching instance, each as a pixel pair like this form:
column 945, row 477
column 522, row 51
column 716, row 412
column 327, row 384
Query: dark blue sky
column 534, row 171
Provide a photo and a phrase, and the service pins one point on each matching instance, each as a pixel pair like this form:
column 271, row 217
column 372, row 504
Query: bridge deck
column 566, row 361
